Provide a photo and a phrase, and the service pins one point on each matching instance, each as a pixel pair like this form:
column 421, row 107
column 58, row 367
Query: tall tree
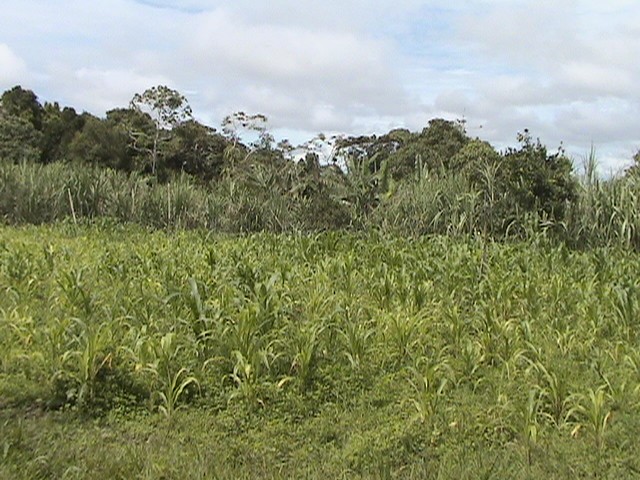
column 536, row 180
column 634, row 170
column 23, row 103
column 196, row 149
column 19, row 140
column 167, row 109
column 431, row 150
column 59, row 127
column 102, row 142
column 236, row 125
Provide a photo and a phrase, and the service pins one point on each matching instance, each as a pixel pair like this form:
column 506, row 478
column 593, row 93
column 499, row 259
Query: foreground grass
column 127, row 353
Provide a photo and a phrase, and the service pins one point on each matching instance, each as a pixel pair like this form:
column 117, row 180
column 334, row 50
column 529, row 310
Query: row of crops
column 452, row 342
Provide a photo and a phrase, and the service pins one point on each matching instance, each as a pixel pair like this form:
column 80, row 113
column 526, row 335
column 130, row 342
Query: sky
column 568, row 71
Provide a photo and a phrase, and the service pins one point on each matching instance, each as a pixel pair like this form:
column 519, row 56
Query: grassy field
column 131, row 353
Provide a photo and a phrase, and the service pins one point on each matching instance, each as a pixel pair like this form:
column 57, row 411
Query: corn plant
column 554, row 396
column 305, row 342
column 53, row 345
column 618, row 388
column 632, row 360
column 173, row 389
column 470, row 359
column 89, row 352
column 530, row 428
column 429, row 380
column 205, row 320
column 248, row 376
column 456, row 328
column 566, row 341
column 401, row 334
column 199, row 321
column 170, row 381
column 356, row 337
column 595, row 415
column 244, row 334
column 18, row 264
column 387, row 288
column 267, row 301
column 77, row 292
column 626, row 306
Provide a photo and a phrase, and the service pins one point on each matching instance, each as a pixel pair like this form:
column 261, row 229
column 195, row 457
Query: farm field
column 132, row 353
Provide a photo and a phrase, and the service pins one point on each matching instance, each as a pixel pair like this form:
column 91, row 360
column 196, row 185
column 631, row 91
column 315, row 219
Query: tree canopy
column 157, row 135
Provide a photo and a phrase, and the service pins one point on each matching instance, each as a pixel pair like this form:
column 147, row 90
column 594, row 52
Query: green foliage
column 635, row 168
column 197, row 150
column 605, row 213
column 59, row 127
column 432, row 205
column 313, row 356
column 417, row 346
column 101, row 143
column 166, row 109
column 24, row 104
column 153, row 164
column 19, row 140
column 536, row 181
column 431, row 150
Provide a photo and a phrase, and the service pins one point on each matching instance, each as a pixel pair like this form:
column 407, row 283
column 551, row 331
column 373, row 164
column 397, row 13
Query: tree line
column 398, row 178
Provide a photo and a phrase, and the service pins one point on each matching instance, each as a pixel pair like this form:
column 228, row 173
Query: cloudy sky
column 568, row 70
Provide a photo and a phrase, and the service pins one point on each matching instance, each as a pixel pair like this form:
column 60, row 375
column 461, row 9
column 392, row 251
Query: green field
column 131, row 353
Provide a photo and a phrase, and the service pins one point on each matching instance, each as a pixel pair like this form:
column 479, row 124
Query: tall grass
column 36, row 194
column 446, row 205
column 605, row 213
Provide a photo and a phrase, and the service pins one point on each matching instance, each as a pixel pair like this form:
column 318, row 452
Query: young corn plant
column 618, row 388
column 632, row 360
column 248, row 376
column 77, row 292
column 305, row 342
column 355, row 338
column 419, row 294
column 170, row 382
column 205, row 320
column 470, row 359
column 554, row 396
column 267, row 302
column 243, row 334
column 530, row 428
column 17, row 331
column 89, row 352
column 198, row 321
column 386, row 289
column 566, row 341
column 429, row 381
column 595, row 413
column 401, row 334
column 626, row 305
column 454, row 323
column 174, row 387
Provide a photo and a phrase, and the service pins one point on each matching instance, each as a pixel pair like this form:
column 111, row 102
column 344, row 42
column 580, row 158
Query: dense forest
column 152, row 163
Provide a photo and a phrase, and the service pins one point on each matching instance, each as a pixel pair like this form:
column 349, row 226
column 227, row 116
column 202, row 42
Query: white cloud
column 300, row 68
column 12, row 68
column 104, row 89
column 568, row 71
column 597, row 79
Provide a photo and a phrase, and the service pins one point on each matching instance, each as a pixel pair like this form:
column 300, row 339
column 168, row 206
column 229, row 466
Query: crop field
column 131, row 353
